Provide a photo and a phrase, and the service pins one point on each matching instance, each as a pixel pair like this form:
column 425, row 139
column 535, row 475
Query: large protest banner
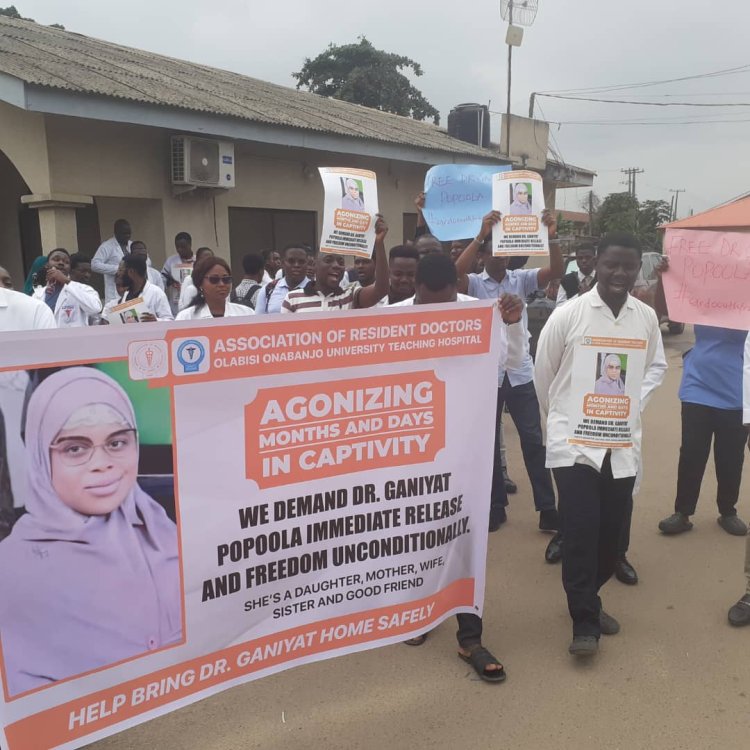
column 209, row 505
column 457, row 197
column 708, row 277
column 349, row 211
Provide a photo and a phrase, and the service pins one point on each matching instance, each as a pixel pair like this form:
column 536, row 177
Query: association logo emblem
column 190, row 356
column 148, row 360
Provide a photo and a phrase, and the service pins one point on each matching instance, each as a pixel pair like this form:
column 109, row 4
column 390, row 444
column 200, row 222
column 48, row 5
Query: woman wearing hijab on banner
column 521, row 203
column 610, row 382
column 212, row 278
column 89, row 575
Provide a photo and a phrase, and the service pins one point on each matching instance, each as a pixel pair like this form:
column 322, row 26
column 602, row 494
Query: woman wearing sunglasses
column 89, row 576
column 212, row 277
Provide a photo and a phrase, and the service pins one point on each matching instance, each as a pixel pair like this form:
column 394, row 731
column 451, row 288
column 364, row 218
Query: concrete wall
column 126, row 169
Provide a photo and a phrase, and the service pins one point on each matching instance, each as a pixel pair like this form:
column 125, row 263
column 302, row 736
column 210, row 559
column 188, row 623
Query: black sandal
column 480, row 658
column 418, row 640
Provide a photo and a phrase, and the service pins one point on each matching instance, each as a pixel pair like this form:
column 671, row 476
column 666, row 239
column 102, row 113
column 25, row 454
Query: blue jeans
column 524, row 410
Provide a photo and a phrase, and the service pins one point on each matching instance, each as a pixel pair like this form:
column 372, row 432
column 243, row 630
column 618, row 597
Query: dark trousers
column 593, row 506
column 699, row 425
column 524, row 410
column 469, row 629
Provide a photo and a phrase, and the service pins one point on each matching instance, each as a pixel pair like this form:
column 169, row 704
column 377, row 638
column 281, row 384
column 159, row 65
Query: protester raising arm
column 467, row 260
column 371, row 295
column 421, row 223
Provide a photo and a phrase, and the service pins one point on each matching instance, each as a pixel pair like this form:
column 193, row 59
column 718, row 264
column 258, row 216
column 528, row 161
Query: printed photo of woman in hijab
column 89, row 576
column 611, row 381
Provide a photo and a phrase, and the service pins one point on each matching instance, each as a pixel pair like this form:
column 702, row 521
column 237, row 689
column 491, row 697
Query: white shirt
column 513, row 342
column 19, row 312
column 522, row 282
column 231, row 309
column 746, row 385
column 459, row 298
column 155, row 301
column 272, row 303
column 588, row 315
column 106, row 261
column 74, row 304
column 155, row 277
column 187, row 292
column 562, row 295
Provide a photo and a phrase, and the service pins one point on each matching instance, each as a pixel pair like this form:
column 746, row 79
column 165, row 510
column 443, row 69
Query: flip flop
column 480, row 658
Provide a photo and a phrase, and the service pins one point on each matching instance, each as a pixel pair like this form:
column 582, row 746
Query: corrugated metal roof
column 42, row 56
column 732, row 215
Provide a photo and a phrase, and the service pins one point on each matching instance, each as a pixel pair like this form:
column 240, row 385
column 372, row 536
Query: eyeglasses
column 219, row 280
column 77, row 451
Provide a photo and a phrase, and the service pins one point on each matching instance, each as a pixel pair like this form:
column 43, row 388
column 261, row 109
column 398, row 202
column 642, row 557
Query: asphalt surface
column 676, row 677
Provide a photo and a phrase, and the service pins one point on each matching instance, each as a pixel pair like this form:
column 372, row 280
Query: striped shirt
column 306, row 299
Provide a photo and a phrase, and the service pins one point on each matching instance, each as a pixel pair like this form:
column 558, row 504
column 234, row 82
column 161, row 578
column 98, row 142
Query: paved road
column 677, row 676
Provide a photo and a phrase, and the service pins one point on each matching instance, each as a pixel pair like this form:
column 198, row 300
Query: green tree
column 618, row 213
column 651, row 216
column 361, row 74
column 12, row 12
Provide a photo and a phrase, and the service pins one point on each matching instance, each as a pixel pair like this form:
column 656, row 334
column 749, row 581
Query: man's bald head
column 428, row 244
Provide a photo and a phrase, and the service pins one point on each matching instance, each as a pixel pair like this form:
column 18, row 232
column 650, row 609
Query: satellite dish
column 521, row 12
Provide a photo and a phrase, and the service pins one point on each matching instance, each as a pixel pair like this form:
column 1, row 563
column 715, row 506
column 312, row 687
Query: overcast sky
column 573, row 44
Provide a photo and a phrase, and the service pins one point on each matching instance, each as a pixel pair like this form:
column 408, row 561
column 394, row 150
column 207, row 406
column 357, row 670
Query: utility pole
column 631, row 173
column 675, row 198
column 510, row 61
column 591, row 212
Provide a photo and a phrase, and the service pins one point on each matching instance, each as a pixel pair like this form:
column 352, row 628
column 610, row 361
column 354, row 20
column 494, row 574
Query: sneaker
column 732, row 525
column 739, row 614
column 608, row 624
column 677, row 523
column 549, row 520
column 583, row 645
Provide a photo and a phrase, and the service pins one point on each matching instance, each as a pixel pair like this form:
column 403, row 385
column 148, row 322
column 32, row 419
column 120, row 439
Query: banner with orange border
column 322, row 494
column 349, row 211
column 519, row 197
column 606, row 391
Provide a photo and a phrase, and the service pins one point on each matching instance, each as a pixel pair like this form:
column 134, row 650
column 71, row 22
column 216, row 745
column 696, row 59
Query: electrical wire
column 646, row 104
column 644, row 84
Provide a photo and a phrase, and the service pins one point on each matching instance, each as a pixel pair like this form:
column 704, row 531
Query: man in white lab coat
column 107, row 258
column 594, row 483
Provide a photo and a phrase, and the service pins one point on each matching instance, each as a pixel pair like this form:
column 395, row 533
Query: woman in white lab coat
column 71, row 302
column 212, row 278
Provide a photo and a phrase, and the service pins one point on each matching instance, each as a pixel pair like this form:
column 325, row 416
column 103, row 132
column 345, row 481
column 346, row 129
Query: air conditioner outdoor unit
column 202, row 162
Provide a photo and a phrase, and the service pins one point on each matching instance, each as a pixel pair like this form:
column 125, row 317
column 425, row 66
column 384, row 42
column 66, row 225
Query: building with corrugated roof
column 87, row 135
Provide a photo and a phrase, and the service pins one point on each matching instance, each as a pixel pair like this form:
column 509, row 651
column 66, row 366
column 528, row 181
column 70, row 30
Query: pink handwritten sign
column 708, row 280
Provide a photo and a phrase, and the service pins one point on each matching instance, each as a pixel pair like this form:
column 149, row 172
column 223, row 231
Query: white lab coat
column 231, row 309
column 19, row 312
column 155, row 301
column 106, row 261
column 74, row 304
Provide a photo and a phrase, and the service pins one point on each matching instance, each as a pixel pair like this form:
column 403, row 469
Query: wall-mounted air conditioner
column 202, row 162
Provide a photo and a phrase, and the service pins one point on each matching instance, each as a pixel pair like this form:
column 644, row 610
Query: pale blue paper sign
column 457, row 196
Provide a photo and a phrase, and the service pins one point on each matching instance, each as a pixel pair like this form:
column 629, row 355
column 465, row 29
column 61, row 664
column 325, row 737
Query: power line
column 645, row 104
column 643, row 84
column 646, row 122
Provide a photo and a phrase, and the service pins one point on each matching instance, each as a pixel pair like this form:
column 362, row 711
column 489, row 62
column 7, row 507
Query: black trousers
column 701, row 424
column 593, row 506
column 523, row 406
column 469, row 629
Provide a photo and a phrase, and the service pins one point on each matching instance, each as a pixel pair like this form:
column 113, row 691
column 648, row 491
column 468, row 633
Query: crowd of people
column 589, row 516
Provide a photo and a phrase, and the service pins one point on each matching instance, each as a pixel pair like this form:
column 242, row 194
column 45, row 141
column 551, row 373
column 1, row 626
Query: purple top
column 82, row 592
